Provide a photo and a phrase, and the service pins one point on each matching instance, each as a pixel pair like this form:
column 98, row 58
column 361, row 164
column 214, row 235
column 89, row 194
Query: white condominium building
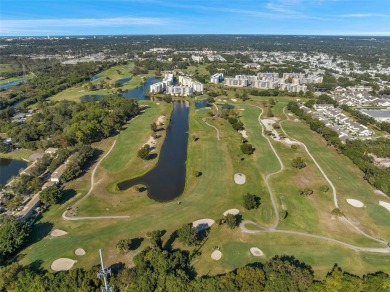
column 236, row 82
column 179, row 90
column 162, row 85
column 216, row 78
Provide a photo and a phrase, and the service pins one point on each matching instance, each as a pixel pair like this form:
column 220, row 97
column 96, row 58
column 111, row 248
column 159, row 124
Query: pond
column 140, row 91
column 92, row 96
column 13, row 83
column 10, row 168
column 166, row 181
column 201, row 103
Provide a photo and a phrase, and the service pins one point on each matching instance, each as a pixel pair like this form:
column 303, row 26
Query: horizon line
column 201, row 34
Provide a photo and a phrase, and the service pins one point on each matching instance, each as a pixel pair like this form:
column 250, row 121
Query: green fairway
column 209, row 195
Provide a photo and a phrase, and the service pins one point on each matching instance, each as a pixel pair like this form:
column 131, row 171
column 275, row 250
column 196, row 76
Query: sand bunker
column 379, row 192
column 216, row 255
column 231, row 211
column 239, row 178
column 385, row 204
column 203, row 224
column 79, row 252
column 234, row 100
column 58, row 232
column 255, row 251
column 160, row 120
column 243, row 133
column 355, row 203
column 62, row 264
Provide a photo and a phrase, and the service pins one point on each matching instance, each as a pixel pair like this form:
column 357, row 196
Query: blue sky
column 99, row 17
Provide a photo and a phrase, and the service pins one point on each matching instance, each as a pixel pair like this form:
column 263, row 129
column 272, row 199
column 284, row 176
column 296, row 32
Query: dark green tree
column 298, row 163
column 12, row 234
column 188, row 234
column 250, row 201
column 232, row 220
column 153, row 126
column 50, row 195
column 247, row 148
column 144, row 152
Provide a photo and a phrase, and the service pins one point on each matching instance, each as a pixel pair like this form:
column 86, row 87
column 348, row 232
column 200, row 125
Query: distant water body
column 13, row 83
column 138, row 93
column 10, row 168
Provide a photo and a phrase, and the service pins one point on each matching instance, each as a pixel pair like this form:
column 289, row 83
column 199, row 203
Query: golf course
column 96, row 214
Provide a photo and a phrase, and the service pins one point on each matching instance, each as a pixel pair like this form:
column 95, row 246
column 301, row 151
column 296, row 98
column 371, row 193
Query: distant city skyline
column 121, row 17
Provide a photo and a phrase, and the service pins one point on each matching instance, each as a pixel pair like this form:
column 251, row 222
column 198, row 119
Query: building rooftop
column 379, row 113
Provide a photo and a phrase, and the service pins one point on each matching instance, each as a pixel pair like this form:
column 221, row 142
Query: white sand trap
column 385, row 204
column 58, row 232
column 239, row 178
column 160, row 120
column 203, row 223
column 255, row 251
column 242, row 109
column 216, row 255
column 243, row 133
column 79, row 252
column 234, row 100
column 231, row 211
column 379, row 192
column 355, row 203
column 62, row 264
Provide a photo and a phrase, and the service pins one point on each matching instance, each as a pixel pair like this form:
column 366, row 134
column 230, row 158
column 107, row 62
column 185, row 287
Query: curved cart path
column 345, row 219
column 276, row 222
column 216, row 129
column 65, row 217
column 267, row 230
column 273, row 229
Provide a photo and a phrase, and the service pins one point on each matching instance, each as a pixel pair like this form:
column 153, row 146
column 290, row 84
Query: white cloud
column 364, row 15
column 28, row 25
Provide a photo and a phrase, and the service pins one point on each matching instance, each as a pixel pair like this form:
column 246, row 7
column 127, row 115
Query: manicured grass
column 209, row 195
column 19, row 154
column 347, row 179
column 321, row 255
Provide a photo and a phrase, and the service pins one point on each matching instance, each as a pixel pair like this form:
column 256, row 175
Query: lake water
column 13, row 83
column 138, row 93
column 166, row 181
column 10, row 168
column 201, row 103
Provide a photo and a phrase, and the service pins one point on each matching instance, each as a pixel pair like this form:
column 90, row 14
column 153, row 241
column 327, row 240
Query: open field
column 19, row 154
column 214, row 192
column 6, row 68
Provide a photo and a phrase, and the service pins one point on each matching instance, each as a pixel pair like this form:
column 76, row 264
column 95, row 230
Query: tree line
column 67, row 123
column 171, row 270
